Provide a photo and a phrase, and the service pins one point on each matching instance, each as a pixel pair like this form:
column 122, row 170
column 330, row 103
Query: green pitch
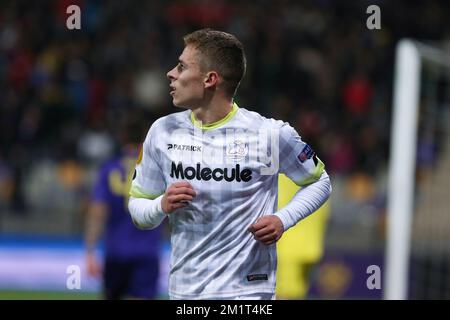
column 47, row 295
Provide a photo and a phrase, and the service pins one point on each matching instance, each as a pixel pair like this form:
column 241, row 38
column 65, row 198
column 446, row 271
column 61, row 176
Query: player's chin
column 180, row 105
column 177, row 103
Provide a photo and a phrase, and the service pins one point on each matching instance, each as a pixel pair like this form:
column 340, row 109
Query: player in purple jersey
column 131, row 261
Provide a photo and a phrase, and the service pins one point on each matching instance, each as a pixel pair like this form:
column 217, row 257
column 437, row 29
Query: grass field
column 47, row 295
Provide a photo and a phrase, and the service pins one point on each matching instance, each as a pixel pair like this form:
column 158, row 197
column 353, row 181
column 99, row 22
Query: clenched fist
column 267, row 229
column 177, row 196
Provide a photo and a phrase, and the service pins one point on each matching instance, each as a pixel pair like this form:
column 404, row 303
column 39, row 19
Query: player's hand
column 177, row 196
column 267, row 229
column 93, row 266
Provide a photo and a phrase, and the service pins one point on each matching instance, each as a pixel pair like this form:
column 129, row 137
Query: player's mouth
column 172, row 90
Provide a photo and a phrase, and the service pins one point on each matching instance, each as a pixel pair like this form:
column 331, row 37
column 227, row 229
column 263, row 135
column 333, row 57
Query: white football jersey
column 233, row 166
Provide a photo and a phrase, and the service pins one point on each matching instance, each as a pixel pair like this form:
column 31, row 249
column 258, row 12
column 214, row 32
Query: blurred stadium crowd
column 312, row 63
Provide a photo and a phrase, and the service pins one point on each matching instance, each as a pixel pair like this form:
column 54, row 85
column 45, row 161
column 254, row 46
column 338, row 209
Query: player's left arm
column 95, row 224
column 267, row 229
column 300, row 163
column 96, row 216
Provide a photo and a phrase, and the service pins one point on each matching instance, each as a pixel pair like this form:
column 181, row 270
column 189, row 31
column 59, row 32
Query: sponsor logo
column 306, row 154
column 218, row 174
column 253, row 277
column 183, row 147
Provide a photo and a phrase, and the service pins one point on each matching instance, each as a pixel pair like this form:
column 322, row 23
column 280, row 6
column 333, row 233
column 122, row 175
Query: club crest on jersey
column 237, row 150
column 307, row 153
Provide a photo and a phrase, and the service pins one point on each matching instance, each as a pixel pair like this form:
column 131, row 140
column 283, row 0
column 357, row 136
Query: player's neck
column 213, row 111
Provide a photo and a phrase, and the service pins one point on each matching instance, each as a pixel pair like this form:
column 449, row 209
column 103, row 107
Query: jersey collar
column 216, row 124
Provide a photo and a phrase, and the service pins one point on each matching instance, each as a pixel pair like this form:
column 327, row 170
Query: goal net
column 418, row 231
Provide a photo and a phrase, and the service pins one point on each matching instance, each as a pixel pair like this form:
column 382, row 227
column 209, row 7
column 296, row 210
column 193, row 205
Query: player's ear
column 211, row 79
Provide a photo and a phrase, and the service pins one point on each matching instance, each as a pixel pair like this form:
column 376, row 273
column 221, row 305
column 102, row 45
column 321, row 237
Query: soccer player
column 131, row 256
column 295, row 267
column 213, row 171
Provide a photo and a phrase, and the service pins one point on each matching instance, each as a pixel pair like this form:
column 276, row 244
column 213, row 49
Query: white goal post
column 402, row 162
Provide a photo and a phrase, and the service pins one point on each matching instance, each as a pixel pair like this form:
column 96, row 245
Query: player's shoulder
column 256, row 119
column 168, row 123
column 173, row 119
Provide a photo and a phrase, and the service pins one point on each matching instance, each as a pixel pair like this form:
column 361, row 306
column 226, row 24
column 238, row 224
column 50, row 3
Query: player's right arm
column 177, row 196
column 148, row 213
column 150, row 201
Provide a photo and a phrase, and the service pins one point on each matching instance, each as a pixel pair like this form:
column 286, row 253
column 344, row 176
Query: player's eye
column 180, row 67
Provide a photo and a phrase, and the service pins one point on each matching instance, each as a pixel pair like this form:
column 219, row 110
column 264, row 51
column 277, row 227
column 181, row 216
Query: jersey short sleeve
column 297, row 159
column 148, row 180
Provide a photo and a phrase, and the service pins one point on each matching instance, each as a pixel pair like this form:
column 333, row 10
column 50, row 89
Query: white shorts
column 253, row 296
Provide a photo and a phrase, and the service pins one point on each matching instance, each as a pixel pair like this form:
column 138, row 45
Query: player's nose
column 171, row 74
